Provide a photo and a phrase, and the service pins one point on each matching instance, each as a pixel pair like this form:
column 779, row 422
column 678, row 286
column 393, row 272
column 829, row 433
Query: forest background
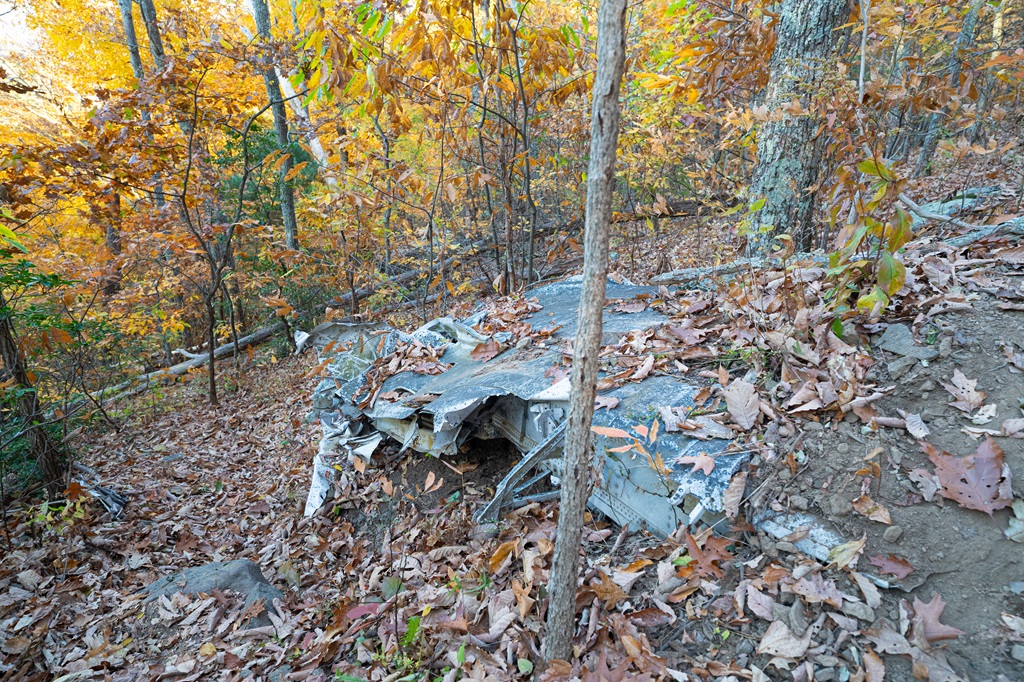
column 181, row 175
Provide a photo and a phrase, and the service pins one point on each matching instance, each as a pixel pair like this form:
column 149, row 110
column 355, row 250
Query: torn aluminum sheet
column 341, row 437
column 510, row 397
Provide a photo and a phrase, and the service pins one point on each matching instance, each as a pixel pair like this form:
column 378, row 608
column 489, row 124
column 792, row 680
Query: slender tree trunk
column 261, row 13
column 211, row 339
column 138, row 70
column 156, row 43
column 931, row 135
column 113, row 241
column 52, row 468
column 788, row 155
column 604, row 137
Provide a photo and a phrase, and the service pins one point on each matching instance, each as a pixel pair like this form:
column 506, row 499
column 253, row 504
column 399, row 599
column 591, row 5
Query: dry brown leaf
column 926, row 623
column 892, row 565
column 980, row 481
column 743, row 403
column 700, row 462
column 734, row 494
column 968, row 398
column 865, row 506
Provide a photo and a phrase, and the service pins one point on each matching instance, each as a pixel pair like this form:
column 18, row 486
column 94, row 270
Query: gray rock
column 858, row 610
column 1017, row 587
column 241, row 576
column 928, row 385
column 813, row 426
column 797, row 619
column 798, row 502
column 1017, row 652
column 892, row 534
column 827, row 661
column 946, row 347
column 843, row 448
column 745, row 647
column 841, row 506
column 787, row 547
column 825, row 675
column 900, row 366
column 173, row 457
column 898, row 339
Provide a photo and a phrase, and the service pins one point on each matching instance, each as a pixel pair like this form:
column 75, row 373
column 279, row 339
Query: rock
column 898, row 339
column 1017, row 587
column 785, row 474
column 827, row 661
column 173, row 457
column 745, row 647
column 1017, row 652
column 841, row 506
column 858, row 610
column 946, row 347
column 896, row 455
column 241, row 576
column 900, row 366
column 280, row 674
column 928, row 385
column 825, row 675
column 797, row 619
column 892, row 534
column 787, row 547
column 813, row 426
column 798, row 502
column 843, row 448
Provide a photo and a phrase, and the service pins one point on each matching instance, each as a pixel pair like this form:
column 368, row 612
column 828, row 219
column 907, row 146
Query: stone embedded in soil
column 858, row 610
column 841, row 506
column 1017, row 652
column 892, row 534
column 241, row 576
column 900, row 366
column 843, row 448
column 898, row 339
column 799, row 502
column 825, row 675
column 787, row 547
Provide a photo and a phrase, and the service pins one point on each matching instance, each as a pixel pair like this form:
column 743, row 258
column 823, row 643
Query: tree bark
column 156, row 43
column 788, row 155
column 604, row 137
column 52, row 468
column 964, row 42
column 261, row 13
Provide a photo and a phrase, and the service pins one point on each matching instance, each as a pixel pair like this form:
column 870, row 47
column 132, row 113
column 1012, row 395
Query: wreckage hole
column 469, row 477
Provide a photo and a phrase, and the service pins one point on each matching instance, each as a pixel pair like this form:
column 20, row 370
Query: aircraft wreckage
column 435, row 400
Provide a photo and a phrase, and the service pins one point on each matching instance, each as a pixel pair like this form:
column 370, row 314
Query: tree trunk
column 931, row 135
column 52, row 468
column 604, row 136
column 156, row 44
column 113, row 241
column 211, row 339
column 261, row 13
column 788, row 155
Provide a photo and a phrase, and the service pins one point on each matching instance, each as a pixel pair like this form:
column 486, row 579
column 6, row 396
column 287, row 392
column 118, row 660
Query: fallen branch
column 705, row 276
column 977, row 232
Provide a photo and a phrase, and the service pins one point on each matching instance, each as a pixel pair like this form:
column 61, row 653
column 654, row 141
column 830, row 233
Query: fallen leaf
column 874, row 669
column 986, row 414
column 779, row 640
column 485, row 351
column 846, row 554
column 701, row 462
column 1016, row 530
column 605, row 401
column 500, row 558
column 644, row 369
column 915, row 425
column 609, row 591
column 734, row 494
column 865, row 506
column 964, row 390
column 743, row 403
column 892, row 565
column 980, row 481
column 609, row 432
column 926, row 623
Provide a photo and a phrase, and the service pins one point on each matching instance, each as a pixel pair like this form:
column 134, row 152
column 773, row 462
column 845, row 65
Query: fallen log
column 977, row 232
column 704, row 277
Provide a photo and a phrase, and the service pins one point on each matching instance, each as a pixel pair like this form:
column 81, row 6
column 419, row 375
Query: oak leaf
column 926, row 623
column 968, row 398
column 892, row 565
column 980, row 481
column 865, row 506
column 485, row 351
column 701, row 462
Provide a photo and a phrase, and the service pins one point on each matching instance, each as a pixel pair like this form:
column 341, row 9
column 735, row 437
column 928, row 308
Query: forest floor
column 392, row 580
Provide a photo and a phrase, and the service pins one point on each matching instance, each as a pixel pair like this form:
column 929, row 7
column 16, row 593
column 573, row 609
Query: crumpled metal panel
column 510, row 396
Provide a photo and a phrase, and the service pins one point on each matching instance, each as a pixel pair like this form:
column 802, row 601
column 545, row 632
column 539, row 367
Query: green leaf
column 875, row 301
column 461, row 655
column 876, row 169
column 892, row 274
column 412, row 629
column 837, row 328
column 525, row 666
column 391, row 586
column 757, row 205
column 899, row 234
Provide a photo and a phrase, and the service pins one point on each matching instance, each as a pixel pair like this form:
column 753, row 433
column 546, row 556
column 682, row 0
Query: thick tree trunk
column 113, row 242
column 52, row 468
column 788, row 155
column 931, row 135
column 604, row 137
column 261, row 13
